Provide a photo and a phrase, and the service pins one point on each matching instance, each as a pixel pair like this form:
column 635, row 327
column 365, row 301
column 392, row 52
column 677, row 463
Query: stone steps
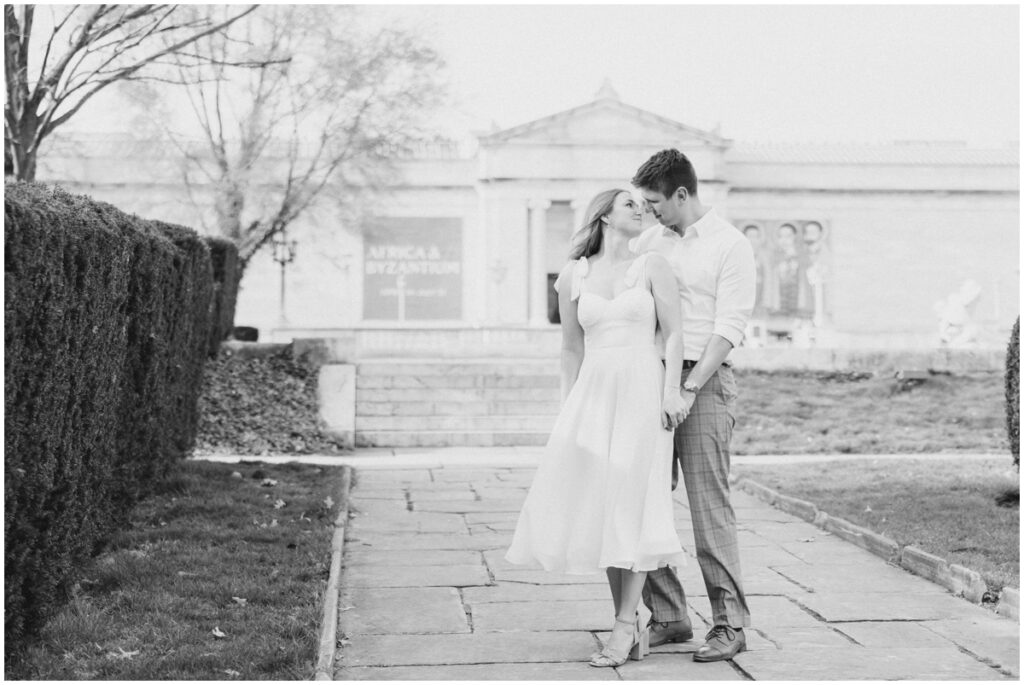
column 467, row 408
column 461, row 381
column 485, row 395
column 539, row 424
column 445, row 402
column 449, row 438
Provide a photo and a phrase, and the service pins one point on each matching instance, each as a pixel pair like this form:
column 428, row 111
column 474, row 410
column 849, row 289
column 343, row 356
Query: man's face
column 665, row 209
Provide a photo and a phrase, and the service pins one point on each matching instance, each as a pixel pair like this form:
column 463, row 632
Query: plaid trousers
column 702, row 450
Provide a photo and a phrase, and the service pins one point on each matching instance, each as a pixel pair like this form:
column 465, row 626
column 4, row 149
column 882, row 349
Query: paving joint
column 844, row 635
column 800, row 585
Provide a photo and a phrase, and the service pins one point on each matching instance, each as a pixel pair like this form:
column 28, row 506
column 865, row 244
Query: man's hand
column 675, row 407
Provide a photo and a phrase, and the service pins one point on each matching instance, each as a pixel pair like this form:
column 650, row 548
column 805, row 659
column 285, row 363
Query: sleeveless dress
column 602, row 494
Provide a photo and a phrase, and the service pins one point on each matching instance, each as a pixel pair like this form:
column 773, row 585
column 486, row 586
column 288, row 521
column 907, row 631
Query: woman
column 602, row 496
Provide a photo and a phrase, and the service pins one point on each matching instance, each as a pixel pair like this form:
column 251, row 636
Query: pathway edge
column 962, row 582
column 328, row 633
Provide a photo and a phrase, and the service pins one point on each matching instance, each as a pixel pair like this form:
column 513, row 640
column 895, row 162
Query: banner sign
column 412, row 269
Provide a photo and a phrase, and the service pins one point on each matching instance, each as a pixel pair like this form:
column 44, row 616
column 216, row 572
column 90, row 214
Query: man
column 714, row 266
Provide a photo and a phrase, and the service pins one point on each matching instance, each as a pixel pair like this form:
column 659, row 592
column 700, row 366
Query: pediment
column 606, row 122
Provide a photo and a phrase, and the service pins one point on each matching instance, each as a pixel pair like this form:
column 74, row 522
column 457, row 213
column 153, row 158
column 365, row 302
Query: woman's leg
column 625, row 629
column 631, row 587
column 615, row 583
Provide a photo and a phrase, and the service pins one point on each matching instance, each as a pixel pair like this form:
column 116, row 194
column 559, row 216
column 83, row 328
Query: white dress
column 602, row 494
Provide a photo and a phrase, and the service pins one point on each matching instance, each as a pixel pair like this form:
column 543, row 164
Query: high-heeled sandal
column 639, row 647
column 597, row 652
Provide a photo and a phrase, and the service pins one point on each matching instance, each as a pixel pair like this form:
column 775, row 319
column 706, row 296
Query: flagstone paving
column 427, row 595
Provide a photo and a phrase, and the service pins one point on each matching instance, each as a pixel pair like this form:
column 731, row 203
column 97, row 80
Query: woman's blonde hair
column 586, row 241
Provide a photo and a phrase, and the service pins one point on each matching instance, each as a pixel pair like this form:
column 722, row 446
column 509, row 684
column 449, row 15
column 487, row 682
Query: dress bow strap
column 579, row 272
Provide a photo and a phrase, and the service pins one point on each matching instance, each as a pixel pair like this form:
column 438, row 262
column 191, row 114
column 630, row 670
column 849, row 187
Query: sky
column 812, row 73
column 763, row 73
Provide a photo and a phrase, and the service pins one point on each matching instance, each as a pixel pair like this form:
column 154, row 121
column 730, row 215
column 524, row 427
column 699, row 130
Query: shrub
column 1013, row 392
column 106, row 327
column 224, row 255
column 259, row 405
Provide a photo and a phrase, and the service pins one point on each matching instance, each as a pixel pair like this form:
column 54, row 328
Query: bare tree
column 82, row 49
column 293, row 101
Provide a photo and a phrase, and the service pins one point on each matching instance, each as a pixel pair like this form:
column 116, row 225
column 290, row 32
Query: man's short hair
column 666, row 171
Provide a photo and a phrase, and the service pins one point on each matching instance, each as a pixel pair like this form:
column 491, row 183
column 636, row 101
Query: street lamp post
column 284, row 254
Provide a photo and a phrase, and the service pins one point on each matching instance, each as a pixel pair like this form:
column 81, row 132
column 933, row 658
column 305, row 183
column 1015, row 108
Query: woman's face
column 626, row 215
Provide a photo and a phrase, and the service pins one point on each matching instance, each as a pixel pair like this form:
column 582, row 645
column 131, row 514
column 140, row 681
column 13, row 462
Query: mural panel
column 794, row 270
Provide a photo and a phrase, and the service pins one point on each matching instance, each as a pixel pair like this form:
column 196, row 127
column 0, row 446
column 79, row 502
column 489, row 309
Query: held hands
column 675, row 407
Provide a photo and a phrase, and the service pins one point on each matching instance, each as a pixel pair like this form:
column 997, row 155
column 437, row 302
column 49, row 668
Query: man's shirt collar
column 704, row 225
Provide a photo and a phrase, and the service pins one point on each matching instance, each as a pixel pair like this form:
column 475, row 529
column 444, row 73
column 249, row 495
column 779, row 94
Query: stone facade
column 858, row 246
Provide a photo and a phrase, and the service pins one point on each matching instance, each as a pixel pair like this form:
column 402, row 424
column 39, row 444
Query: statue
column 956, row 325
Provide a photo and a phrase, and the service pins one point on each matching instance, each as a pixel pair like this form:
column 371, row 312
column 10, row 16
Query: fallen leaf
column 217, row 632
column 240, row 600
column 187, row 574
column 121, row 654
column 268, row 483
column 328, row 502
column 273, row 523
column 231, row 673
column 280, row 503
column 346, row 608
column 867, row 509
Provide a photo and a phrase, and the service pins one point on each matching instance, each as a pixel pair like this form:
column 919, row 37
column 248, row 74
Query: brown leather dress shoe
column 671, row 631
column 721, row 642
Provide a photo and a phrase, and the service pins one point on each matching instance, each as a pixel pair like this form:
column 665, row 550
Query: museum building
column 857, row 246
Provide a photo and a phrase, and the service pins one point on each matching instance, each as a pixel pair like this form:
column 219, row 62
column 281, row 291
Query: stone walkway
column 427, row 595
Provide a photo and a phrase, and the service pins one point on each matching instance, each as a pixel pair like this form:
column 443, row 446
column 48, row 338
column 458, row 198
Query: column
column 538, row 303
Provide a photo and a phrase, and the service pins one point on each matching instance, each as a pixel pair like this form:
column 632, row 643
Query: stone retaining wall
column 359, row 345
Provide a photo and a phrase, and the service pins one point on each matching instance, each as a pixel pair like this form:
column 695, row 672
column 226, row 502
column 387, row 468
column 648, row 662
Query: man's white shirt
column 714, row 266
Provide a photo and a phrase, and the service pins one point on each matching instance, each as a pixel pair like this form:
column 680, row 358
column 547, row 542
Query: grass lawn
column 815, row 412
column 945, row 507
column 216, row 579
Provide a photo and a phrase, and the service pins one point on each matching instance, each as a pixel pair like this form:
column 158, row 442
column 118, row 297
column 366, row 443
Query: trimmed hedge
column 106, row 329
column 1013, row 392
column 226, row 275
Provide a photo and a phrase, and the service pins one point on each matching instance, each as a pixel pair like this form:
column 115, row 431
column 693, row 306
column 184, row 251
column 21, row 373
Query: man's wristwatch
column 689, row 386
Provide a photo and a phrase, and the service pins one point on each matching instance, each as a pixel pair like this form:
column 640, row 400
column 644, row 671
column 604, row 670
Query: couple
column 602, row 496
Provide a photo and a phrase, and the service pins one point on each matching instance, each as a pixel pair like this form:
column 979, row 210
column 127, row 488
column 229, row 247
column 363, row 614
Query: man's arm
column 734, row 303
column 715, row 352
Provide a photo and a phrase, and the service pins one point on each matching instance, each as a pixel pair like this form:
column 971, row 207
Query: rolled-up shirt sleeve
column 737, row 288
